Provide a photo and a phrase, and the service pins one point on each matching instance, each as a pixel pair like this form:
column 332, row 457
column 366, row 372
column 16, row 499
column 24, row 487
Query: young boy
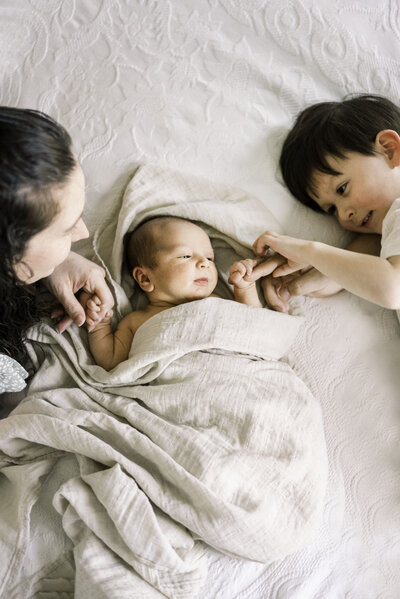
column 344, row 158
column 172, row 261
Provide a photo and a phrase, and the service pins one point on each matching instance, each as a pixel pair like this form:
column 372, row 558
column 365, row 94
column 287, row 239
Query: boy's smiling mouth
column 366, row 219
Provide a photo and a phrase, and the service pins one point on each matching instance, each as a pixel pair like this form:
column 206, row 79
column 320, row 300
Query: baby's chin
column 202, row 294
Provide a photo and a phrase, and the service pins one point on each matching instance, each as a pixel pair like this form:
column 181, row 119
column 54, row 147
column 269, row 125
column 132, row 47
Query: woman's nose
column 81, row 231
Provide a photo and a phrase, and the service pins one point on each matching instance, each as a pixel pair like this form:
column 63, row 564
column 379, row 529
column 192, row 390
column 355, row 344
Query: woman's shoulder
column 12, row 374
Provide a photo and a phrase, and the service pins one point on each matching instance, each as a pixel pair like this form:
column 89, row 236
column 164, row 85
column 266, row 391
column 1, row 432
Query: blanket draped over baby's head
column 205, row 436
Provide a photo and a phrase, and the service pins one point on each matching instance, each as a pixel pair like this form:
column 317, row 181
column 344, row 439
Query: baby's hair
column 141, row 247
column 333, row 129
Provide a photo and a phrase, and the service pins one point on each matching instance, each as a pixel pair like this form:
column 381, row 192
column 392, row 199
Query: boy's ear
column 141, row 277
column 388, row 142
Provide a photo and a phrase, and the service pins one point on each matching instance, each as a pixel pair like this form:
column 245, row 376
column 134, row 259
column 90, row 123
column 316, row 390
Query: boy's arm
column 309, row 282
column 108, row 348
column 373, row 278
column 369, row 243
column 244, row 291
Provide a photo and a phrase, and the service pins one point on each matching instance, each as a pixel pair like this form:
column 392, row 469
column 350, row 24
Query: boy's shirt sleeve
column 391, row 231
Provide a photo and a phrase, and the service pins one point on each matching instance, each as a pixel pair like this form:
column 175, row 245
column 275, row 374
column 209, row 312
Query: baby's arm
column 108, row 348
column 245, row 291
column 373, row 278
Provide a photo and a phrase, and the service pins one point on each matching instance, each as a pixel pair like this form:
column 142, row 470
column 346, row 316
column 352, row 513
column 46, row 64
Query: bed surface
column 211, row 88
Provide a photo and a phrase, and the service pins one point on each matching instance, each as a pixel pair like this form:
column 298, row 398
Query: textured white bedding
column 211, row 87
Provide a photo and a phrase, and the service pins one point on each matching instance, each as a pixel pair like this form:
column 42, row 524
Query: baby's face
column 361, row 194
column 185, row 264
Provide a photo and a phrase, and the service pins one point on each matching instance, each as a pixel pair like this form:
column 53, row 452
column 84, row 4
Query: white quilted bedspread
column 211, row 87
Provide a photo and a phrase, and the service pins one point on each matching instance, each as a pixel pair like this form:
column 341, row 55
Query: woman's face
column 49, row 248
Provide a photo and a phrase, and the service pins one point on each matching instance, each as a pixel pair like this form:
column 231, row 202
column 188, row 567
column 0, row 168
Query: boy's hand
column 289, row 247
column 309, row 282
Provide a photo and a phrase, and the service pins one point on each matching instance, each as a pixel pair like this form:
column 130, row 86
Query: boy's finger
column 266, row 267
column 313, row 284
column 262, row 244
column 287, row 269
column 274, row 295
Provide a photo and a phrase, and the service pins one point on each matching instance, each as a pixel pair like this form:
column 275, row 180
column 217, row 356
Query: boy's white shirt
column 390, row 244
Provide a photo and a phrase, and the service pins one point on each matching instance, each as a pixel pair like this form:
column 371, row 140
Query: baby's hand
column 93, row 307
column 240, row 272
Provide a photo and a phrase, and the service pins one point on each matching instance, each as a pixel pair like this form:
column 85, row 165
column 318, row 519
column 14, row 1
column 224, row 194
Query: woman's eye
column 340, row 190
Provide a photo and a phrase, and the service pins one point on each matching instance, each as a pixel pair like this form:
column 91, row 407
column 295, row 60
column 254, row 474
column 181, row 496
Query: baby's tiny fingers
column 92, row 305
column 235, row 277
column 237, row 267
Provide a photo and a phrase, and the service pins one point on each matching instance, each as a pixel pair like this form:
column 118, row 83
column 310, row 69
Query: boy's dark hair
column 141, row 246
column 35, row 157
column 332, row 129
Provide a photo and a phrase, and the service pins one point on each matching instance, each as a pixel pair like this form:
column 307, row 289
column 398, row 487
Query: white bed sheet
column 211, row 87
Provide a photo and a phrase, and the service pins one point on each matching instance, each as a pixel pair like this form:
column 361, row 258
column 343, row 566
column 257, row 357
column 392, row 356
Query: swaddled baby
column 172, row 260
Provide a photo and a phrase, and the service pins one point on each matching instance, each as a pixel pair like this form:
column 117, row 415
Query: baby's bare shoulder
column 133, row 320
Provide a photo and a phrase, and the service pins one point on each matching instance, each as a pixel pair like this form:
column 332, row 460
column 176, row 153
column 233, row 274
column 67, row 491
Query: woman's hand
column 77, row 274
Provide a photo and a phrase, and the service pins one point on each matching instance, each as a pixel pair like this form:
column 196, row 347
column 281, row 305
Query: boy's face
column 361, row 195
column 185, row 264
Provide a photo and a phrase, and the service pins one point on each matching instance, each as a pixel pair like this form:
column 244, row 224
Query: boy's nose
column 346, row 214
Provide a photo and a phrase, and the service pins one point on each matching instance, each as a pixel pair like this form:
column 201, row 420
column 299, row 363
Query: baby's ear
column 388, row 142
column 141, row 277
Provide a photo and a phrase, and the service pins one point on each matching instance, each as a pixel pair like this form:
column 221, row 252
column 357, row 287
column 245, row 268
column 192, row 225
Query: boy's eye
column 340, row 190
column 187, row 256
column 210, row 259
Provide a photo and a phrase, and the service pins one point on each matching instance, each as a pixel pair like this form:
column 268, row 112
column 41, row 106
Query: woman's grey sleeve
column 12, row 374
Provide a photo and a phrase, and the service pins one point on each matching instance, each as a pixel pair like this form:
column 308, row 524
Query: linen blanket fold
column 203, row 434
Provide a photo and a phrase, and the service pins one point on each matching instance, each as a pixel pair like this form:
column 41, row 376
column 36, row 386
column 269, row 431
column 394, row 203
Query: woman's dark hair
column 35, row 157
column 332, row 129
